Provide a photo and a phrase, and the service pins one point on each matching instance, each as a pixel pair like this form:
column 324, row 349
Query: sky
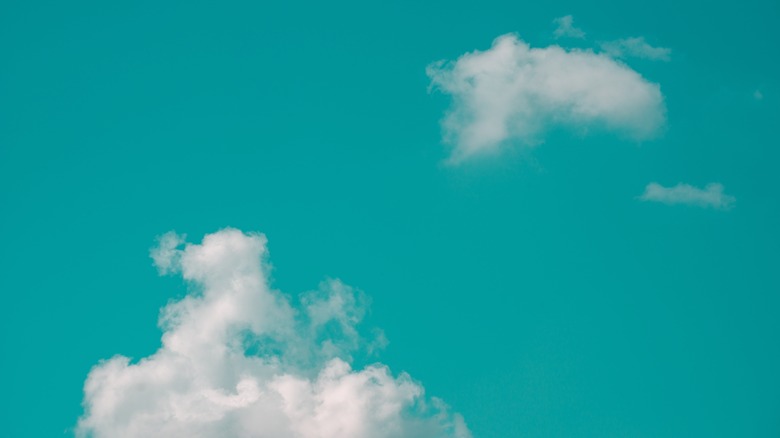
column 409, row 219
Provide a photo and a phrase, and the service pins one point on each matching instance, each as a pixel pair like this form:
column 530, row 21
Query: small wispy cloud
column 636, row 47
column 513, row 92
column 565, row 28
column 239, row 359
column 710, row 196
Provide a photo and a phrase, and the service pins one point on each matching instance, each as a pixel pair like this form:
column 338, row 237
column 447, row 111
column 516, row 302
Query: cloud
column 636, row 47
column 512, row 92
column 565, row 28
column 711, row 196
column 166, row 255
column 240, row 359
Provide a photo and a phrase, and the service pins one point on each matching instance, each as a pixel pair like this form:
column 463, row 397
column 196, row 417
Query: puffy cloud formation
column 711, row 196
column 565, row 28
column 512, row 92
column 636, row 47
column 239, row 359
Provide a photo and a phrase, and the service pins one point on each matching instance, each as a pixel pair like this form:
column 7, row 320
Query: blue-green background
column 532, row 292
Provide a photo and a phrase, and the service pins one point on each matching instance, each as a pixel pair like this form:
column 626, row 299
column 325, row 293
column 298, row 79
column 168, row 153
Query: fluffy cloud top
column 239, row 359
column 565, row 28
column 512, row 92
column 711, row 196
column 636, row 47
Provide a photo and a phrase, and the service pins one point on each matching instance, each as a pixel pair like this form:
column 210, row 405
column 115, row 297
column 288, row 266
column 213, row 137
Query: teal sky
column 531, row 289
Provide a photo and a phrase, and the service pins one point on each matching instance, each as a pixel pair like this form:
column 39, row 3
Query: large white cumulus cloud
column 240, row 359
column 512, row 92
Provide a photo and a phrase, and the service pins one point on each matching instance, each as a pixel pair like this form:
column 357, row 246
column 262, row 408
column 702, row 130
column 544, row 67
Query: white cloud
column 165, row 255
column 636, row 47
column 711, row 196
column 238, row 359
column 565, row 28
column 513, row 92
